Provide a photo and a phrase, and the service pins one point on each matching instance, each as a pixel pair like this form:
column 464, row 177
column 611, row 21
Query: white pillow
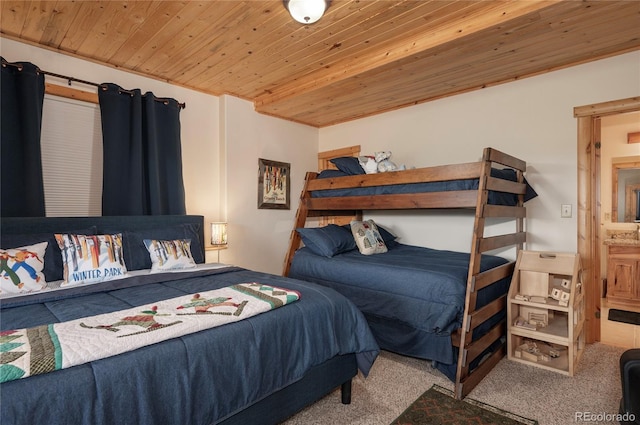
column 91, row 258
column 170, row 255
column 21, row 269
column 367, row 237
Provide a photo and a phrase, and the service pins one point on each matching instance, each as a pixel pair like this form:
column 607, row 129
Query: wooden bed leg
column 345, row 390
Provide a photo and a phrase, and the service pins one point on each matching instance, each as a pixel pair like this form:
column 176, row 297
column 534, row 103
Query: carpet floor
column 548, row 397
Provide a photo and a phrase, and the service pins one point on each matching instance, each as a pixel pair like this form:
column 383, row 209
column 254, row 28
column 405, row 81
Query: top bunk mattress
column 495, row 198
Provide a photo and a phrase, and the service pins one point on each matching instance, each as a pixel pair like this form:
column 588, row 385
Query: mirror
column 625, row 198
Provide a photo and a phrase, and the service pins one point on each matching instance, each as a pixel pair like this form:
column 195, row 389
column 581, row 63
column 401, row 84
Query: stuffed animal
column 381, row 156
column 379, row 163
column 384, row 164
column 368, row 164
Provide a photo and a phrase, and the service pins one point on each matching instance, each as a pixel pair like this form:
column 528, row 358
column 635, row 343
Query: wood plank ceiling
column 362, row 58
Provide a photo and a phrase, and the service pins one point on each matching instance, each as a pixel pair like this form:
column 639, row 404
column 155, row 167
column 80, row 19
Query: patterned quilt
column 46, row 348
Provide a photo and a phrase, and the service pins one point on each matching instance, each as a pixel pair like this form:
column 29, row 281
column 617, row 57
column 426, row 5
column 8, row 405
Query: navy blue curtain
column 21, row 183
column 142, row 153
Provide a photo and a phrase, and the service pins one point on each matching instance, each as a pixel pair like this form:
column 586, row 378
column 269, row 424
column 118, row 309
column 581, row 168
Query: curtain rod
column 70, row 79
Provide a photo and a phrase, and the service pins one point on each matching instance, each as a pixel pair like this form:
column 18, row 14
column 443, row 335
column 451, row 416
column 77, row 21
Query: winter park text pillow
column 170, row 255
column 21, row 269
column 91, row 258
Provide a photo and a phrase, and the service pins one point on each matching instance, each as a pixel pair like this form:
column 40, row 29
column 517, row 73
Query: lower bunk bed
column 298, row 342
column 412, row 297
column 444, row 306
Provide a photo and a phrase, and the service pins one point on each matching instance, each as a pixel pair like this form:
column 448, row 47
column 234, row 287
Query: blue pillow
column 327, row 174
column 388, row 237
column 327, row 241
column 510, row 174
column 348, row 164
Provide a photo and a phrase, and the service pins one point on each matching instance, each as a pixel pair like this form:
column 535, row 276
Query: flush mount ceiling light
column 306, row 11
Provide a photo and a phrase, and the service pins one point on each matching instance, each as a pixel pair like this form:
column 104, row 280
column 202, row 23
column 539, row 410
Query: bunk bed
column 472, row 340
column 258, row 369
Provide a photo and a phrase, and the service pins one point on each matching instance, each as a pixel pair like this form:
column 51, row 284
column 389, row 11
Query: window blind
column 71, row 141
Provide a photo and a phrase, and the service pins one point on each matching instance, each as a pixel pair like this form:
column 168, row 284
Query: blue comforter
column 420, row 291
column 200, row 378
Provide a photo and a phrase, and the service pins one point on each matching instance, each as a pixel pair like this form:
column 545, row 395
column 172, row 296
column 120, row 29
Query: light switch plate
column 565, row 211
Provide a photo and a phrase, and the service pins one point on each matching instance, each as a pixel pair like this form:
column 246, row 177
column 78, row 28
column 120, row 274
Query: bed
column 444, row 306
column 259, row 369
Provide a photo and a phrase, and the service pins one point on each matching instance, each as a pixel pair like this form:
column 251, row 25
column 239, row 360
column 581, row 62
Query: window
column 71, row 140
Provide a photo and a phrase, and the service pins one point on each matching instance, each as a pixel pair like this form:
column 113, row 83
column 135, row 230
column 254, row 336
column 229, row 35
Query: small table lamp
column 218, row 236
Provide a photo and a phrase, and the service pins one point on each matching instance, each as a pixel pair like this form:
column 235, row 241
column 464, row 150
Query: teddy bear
column 384, row 164
column 377, row 163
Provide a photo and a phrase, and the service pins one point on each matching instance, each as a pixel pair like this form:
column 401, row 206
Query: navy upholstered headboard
column 14, row 229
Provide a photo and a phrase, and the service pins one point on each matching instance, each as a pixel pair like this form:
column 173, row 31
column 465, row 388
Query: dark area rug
column 437, row 406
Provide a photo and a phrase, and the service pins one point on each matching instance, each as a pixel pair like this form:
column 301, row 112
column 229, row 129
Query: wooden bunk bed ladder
column 469, row 350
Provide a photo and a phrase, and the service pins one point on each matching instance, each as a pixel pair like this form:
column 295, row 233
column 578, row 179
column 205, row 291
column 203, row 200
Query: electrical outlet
column 565, row 211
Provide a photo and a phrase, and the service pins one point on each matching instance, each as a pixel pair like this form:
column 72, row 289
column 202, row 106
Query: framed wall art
column 274, row 183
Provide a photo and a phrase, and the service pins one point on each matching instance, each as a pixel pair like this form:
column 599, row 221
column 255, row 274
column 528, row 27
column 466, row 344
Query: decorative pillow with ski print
column 21, row 269
column 91, row 258
column 170, row 255
column 368, row 237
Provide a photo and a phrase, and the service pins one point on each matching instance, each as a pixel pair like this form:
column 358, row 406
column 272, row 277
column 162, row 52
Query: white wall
column 258, row 238
column 199, row 120
column 531, row 118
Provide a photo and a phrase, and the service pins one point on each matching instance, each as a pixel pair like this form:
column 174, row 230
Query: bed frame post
column 324, row 163
column 300, row 221
column 469, row 350
column 462, row 370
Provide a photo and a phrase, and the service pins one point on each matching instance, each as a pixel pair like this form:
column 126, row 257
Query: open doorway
column 589, row 242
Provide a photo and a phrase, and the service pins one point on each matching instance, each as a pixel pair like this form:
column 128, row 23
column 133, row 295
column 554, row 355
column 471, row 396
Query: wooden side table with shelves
column 545, row 311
